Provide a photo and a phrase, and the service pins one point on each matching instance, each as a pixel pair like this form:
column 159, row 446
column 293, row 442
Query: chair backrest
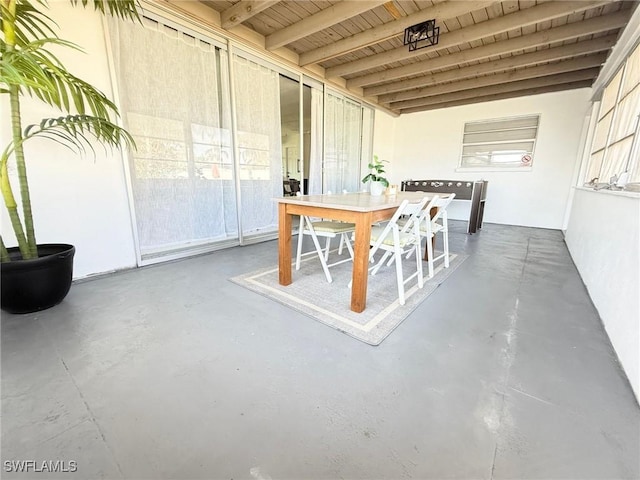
column 425, row 213
column 294, row 185
column 413, row 210
column 441, row 203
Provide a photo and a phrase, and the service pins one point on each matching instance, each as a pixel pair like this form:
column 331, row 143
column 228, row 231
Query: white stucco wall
column 603, row 236
column 80, row 200
column 428, row 145
column 384, row 141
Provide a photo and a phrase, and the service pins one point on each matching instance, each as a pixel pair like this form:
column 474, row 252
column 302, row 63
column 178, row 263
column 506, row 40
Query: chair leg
column 384, row 257
column 399, row 277
column 445, row 240
column 347, row 242
column 409, row 253
column 300, row 238
column 430, row 255
column 323, row 262
column 327, row 247
column 316, row 243
column 418, row 249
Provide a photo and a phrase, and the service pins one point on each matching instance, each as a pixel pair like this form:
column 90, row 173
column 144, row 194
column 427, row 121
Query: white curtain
column 315, row 154
column 257, row 98
column 173, row 101
column 343, row 129
column 368, row 115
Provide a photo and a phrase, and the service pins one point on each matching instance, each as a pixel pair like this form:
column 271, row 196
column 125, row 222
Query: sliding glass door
column 259, row 150
column 342, row 144
column 219, row 134
column 301, row 109
column 174, row 100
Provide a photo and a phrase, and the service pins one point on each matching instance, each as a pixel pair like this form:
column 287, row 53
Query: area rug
column 312, row 295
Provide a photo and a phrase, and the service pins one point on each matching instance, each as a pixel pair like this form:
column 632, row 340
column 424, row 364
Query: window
column 181, row 172
column 615, row 149
column 199, row 180
column 500, row 144
column 343, row 144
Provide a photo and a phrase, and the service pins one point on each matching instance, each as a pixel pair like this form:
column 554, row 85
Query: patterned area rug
column 328, row 303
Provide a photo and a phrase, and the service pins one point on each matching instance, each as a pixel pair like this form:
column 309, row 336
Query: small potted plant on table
column 375, row 176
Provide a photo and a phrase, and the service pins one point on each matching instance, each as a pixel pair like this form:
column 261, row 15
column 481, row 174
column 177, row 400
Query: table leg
column 361, row 262
column 284, row 244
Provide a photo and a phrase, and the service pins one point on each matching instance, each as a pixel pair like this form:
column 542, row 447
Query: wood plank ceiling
column 487, row 50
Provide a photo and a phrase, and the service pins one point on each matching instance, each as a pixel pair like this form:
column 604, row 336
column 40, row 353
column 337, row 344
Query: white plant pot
column 377, row 188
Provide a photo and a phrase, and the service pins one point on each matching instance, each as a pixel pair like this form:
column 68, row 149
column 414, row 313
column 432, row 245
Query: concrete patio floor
column 174, row 372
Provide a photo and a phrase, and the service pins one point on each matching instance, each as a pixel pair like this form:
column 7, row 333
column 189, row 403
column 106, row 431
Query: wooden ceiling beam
column 557, row 34
column 440, row 11
column 243, row 10
column 580, row 75
column 510, row 63
column 319, row 21
column 522, row 18
column 392, row 9
column 585, row 64
column 501, row 96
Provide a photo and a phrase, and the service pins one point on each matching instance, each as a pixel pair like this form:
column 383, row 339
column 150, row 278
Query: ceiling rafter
column 319, row 21
column 392, row 9
column 518, row 61
column 480, row 98
column 420, row 67
column 487, row 50
column 519, row 19
column 444, row 10
column 242, row 11
column 591, row 62
column 554, row 35
column 579, row 75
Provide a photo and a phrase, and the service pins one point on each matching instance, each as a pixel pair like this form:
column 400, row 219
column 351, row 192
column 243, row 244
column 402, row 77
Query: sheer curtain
column 257, row 101
column 368, row 116
column 173, row 102
column 315, row 154
column 343, row 130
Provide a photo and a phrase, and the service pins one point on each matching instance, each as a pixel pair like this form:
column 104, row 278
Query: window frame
column 612, row 139
column 497, row 167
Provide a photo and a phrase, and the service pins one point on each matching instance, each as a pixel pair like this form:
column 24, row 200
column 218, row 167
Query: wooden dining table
column 362, row 209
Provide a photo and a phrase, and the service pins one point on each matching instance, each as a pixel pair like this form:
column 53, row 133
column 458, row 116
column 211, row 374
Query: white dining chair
column 396, row 240
column 431, row 226
column 328, row 229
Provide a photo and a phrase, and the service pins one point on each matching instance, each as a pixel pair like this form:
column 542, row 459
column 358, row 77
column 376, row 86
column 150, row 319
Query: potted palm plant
column 375, row 176
column 37, row 276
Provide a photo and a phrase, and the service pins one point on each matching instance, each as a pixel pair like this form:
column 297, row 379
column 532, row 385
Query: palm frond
column 124, row 9
column 28, row 22
column 39, row 73
column 76, row 131
column 24, row 66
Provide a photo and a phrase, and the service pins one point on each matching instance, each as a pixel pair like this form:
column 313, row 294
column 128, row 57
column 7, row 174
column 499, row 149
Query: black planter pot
column 33, row 285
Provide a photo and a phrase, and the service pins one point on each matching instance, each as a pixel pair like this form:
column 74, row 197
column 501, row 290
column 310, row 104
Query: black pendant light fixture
column 422, row 35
